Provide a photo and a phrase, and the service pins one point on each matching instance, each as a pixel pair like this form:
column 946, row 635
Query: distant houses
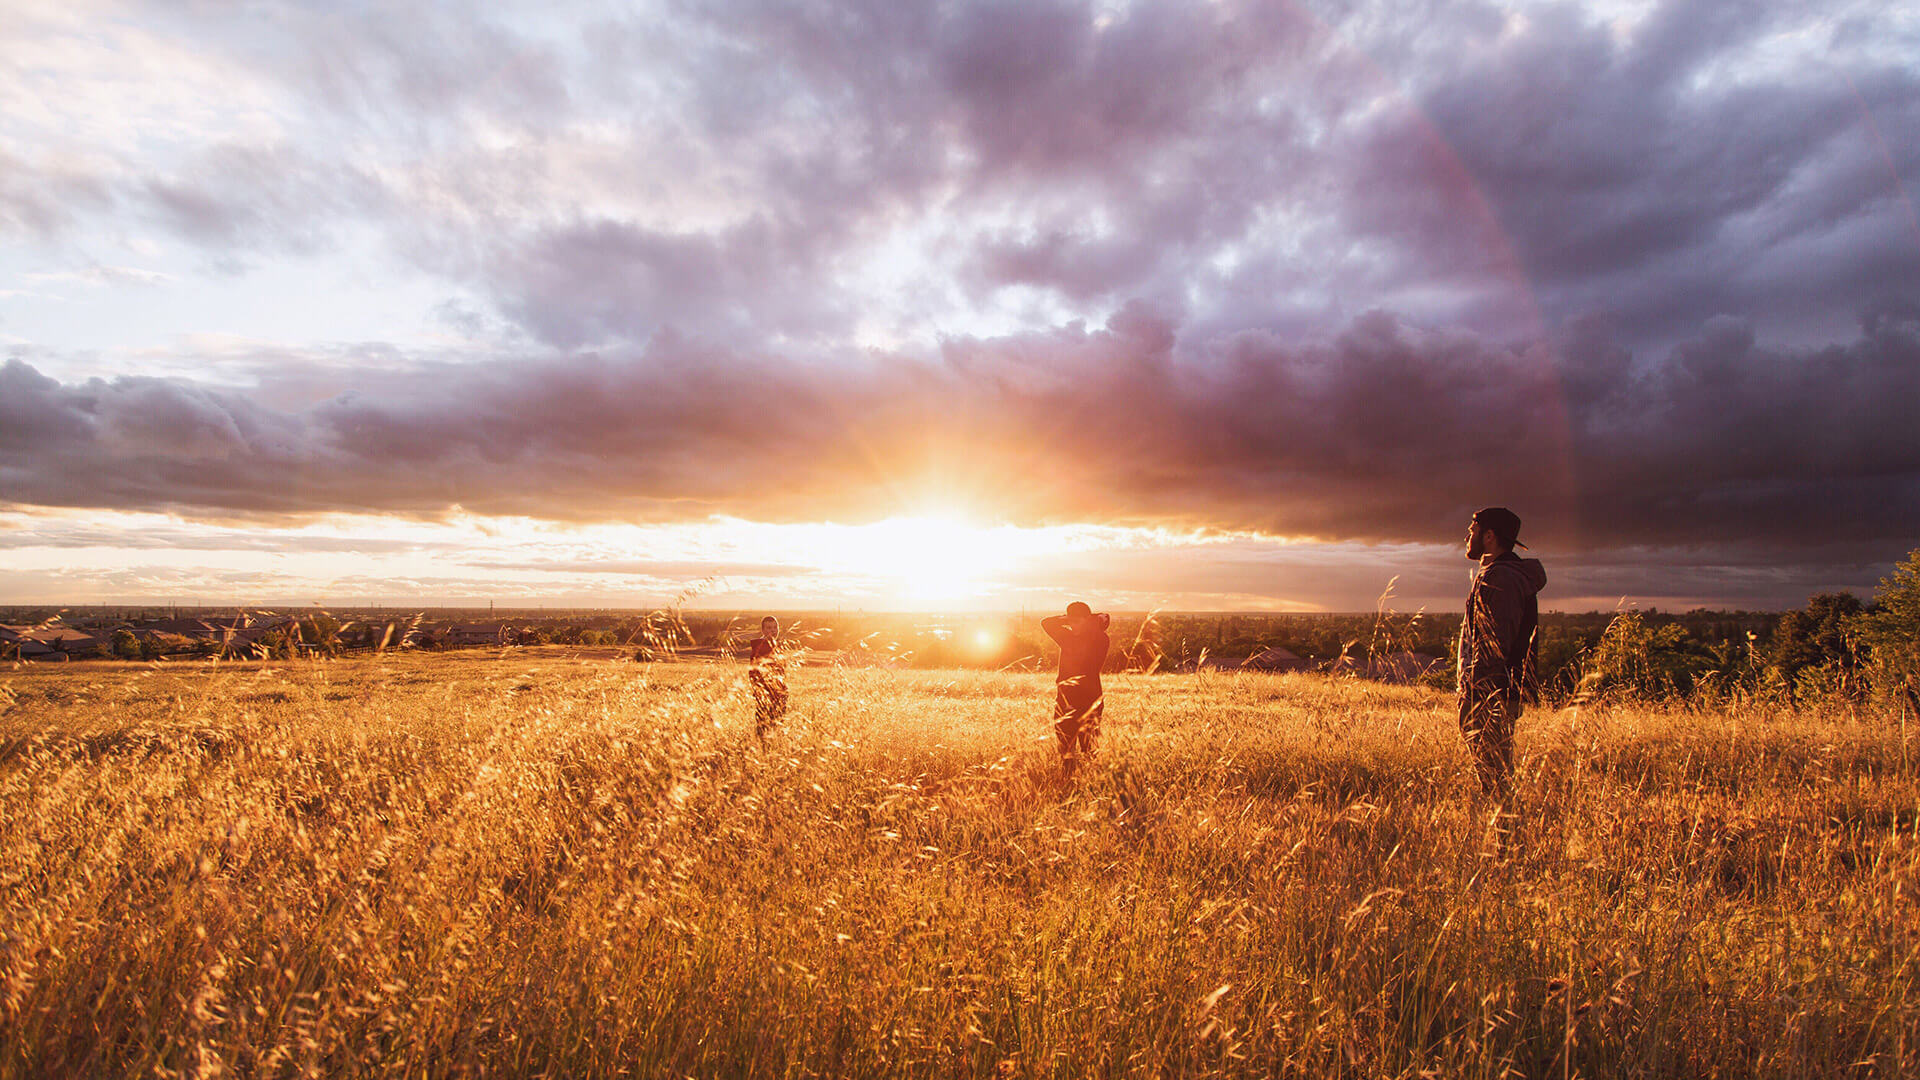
column 188, row 628
column 49, row 643
column 1278, row 659
column 471, row 634
column 161, row 641
column 247, row 635
column 1393, row 667
column 239, row 635
column 1273, row 660
column 380, row 636
column 236, row 632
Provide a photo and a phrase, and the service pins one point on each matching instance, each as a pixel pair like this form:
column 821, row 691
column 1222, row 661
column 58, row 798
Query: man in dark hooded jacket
column 1497, row 642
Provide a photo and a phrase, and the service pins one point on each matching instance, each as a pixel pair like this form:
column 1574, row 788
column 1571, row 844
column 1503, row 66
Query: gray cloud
column 608, row 281
column 722, row 169
column 66, row 535
column 42, row 199
column 239, row 198
column 1386, row 432
column 1653, row 179
column 1432, row 577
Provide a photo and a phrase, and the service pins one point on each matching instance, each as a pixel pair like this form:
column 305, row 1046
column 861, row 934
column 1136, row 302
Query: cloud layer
column 1388, row 432
column 1647, row 272
column 763, row 172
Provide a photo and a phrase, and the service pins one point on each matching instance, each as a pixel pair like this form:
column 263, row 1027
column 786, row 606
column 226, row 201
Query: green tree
column 1823, row 636
column 125, row 644
column 1639, row 659
column 322, row 631
column 1891, row 628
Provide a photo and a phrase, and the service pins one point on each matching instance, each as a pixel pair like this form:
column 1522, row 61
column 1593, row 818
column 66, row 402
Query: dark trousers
column 1077, row 708
column 1487, row 716
column 769, row 698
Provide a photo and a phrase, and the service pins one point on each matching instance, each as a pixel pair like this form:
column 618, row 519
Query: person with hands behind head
column 769, row 677
column 1078, row 702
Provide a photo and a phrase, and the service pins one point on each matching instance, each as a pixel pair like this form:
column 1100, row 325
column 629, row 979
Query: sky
column 1210, row 305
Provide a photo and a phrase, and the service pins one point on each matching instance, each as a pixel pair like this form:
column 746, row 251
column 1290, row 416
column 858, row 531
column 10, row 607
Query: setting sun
column 928, row 560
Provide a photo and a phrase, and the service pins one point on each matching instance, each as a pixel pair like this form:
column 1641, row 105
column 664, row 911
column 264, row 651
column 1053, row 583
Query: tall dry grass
column 456, row 865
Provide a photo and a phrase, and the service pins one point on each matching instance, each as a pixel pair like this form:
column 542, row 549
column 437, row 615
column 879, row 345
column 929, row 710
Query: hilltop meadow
column 527, row 862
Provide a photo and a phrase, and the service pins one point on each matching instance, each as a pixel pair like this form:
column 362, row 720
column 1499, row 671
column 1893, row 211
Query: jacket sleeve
column 1056, row 628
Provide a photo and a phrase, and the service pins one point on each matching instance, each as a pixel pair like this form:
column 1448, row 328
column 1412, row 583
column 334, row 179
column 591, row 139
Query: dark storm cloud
column 1432, row 577
column 1387, row 432
column 1641, row 174
column 1728, row 575
column 1652, row 178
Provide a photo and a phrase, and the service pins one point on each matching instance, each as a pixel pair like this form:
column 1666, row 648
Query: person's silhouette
column 1497, row 641
column 1079, row 701
column 768, row 675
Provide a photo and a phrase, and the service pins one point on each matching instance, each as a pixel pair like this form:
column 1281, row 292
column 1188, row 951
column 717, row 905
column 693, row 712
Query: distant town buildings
column 472, row 634
column 1394, row 667
column 49, row 643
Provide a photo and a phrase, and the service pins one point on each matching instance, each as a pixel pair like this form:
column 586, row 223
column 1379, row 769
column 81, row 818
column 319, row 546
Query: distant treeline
column 1839, row 644
column 1141, row 641
column 1179, row 637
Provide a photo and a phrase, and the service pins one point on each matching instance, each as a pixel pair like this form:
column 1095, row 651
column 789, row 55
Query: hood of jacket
column 1528, row 573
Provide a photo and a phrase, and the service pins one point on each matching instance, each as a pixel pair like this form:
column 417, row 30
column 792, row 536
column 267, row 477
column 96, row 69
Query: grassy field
column 535, row 864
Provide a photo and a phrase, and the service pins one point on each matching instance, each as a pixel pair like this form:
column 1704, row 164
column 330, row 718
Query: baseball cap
column 1504, row 523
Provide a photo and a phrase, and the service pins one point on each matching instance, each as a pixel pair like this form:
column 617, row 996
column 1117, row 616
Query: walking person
column 1079, row 701
column 768, row 676
column 1498, row 638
